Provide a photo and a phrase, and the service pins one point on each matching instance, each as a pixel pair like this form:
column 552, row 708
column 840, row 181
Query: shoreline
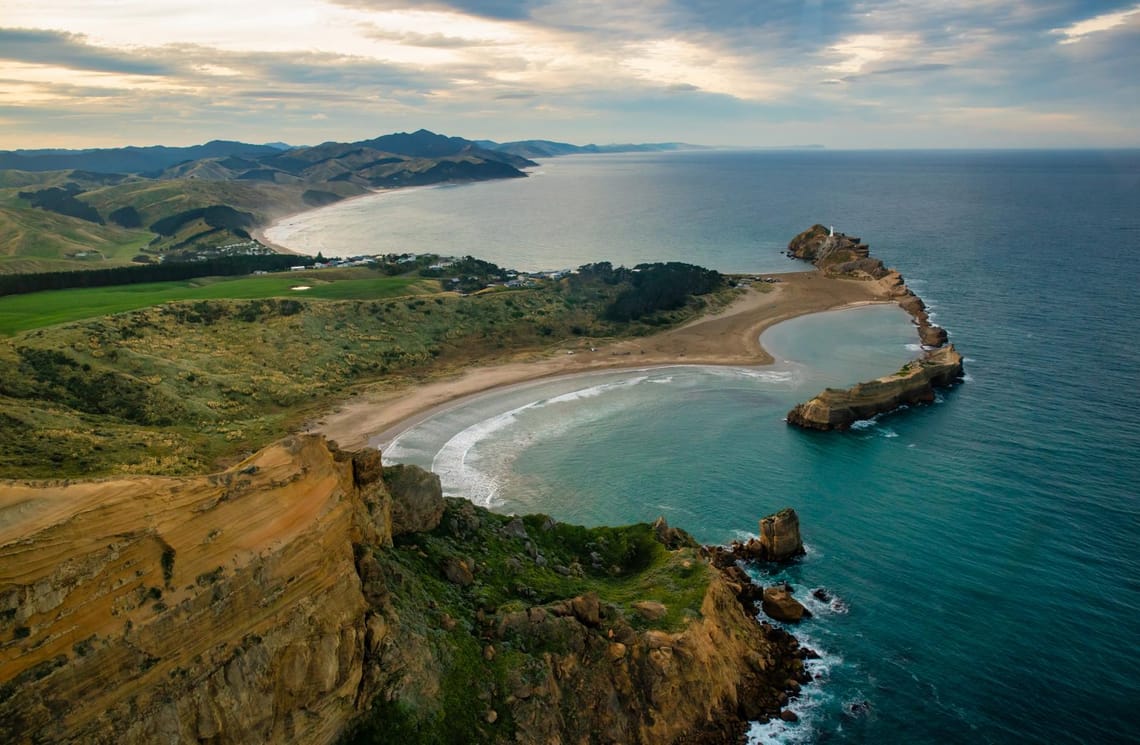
column 728, row 337
column 260, row 232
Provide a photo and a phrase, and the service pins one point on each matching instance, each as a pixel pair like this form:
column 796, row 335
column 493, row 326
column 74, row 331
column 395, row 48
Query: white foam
column 820, row 608
column 768, row 376
column 454, row 463
column 887, row 432
column 808, row 706
column 862, row 424
column 591, row 392
column 465, row 473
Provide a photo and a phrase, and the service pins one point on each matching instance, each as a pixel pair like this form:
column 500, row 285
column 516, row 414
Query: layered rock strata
column 309, row 595
column 914, row 383
column 839, row 255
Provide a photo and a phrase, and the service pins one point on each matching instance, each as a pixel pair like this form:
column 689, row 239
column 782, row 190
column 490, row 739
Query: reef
column 312, row 595
column 840, row 255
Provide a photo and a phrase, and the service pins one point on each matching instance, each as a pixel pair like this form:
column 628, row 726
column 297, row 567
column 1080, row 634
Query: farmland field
column 36, row 310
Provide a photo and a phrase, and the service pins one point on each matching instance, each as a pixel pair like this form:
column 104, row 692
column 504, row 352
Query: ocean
column 983, row 552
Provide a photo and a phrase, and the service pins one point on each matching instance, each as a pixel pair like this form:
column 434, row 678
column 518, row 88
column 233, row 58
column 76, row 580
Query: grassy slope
column 33, row 239
column 39, row 309
column 186, row 386
column 174, row 388
column 632, row 566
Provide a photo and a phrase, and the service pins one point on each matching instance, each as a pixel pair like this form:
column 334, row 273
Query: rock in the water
column 780, row 536
column 789, row 716
column 779, row 604
column 914, row 383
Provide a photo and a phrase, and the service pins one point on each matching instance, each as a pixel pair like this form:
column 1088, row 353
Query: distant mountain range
column 126, row 159
column 152, row 161
column 65, row 209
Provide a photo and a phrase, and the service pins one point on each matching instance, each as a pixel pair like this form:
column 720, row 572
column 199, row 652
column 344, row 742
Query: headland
column 839, row 255
column 312, row 595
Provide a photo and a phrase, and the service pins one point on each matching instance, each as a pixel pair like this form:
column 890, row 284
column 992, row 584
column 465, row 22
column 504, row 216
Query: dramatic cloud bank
column 877, row 73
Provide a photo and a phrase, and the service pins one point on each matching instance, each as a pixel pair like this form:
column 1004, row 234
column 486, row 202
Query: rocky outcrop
column 779, row 605
column 780, row 538
column 835, row 253
column 940, row 365
column 779, row 541
column 914, row 383
column 893, row 287
column 417, row 499
column 297, row 598
column 840, row 255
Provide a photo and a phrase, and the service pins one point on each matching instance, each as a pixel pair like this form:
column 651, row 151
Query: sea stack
column 780, row 536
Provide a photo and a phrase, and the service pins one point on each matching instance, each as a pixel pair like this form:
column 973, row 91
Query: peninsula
column 839, row 255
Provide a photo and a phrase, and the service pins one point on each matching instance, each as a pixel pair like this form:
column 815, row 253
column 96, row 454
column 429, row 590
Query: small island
column 940, row 366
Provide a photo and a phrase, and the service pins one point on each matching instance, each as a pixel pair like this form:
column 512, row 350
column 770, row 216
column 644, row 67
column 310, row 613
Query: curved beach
column 727, row 337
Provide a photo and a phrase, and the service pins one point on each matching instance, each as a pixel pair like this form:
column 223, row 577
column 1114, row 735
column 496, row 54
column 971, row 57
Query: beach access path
column 730, row 336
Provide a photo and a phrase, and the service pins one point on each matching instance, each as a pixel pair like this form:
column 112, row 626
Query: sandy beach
column 728, row 337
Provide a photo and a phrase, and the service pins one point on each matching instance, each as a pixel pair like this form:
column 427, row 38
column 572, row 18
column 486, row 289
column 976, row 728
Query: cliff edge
column 840, row 255
column 311, row 595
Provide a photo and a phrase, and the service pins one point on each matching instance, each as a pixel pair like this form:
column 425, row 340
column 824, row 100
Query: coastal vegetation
column 539, row 589
column 179, row 387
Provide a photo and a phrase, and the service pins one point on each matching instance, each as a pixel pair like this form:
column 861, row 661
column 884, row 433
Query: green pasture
column 38, row 309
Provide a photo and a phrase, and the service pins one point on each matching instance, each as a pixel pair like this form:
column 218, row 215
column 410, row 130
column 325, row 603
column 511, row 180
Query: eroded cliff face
column 225, row 608
column 839, row 408
column 306, row 589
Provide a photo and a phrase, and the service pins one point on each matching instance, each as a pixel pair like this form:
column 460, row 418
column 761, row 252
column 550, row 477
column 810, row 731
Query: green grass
column 40, row 309
column 188, row 386
column 621, row 565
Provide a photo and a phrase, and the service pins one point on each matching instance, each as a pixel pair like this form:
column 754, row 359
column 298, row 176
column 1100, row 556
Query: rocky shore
column 312, row 595
column 842, row 256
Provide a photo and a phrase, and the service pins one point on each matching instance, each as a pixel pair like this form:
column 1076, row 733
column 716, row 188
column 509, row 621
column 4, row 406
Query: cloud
column 503, row 10
column 696, row 70
column 63, row 49
column 1078, row 31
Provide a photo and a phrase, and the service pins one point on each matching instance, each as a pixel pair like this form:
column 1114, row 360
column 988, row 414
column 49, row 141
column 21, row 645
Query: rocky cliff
column 308, row 594
column 914, row 383
column 839, row 255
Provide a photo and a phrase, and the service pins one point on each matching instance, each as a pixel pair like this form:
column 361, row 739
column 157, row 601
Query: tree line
column 222, row 266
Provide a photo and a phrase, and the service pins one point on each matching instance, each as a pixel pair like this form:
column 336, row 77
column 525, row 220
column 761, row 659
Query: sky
column 767, row 73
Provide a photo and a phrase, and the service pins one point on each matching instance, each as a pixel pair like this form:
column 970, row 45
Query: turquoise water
column 984, row 551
